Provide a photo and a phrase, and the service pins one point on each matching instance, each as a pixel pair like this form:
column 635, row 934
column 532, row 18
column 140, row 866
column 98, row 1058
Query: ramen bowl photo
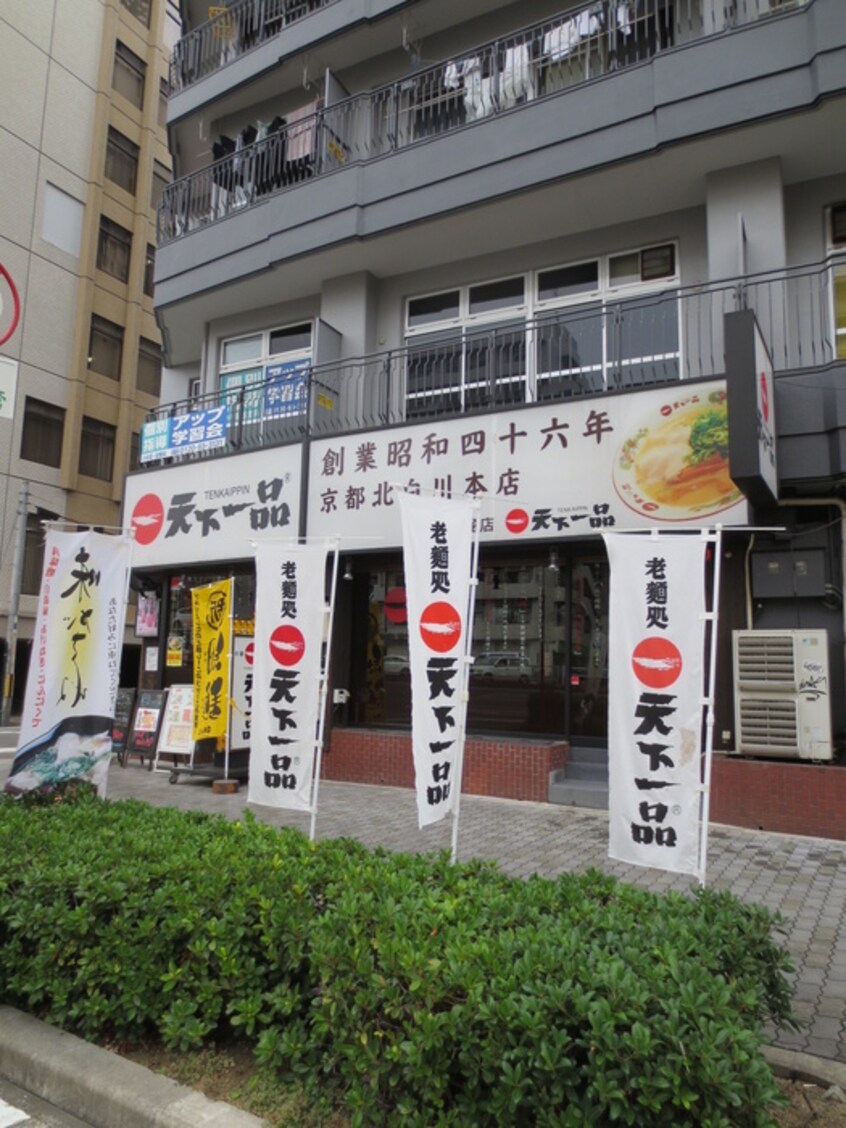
column 674, row 464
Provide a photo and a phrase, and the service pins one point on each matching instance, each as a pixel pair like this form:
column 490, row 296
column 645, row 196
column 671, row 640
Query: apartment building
column 534, row 252
column 84, row 160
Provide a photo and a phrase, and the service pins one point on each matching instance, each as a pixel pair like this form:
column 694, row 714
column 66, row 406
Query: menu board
column 147, row 721
column 120, row 725
column 178, row 722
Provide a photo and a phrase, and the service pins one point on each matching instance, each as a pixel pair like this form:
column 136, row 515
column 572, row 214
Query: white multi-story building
column 491, row 247
column 83, row 162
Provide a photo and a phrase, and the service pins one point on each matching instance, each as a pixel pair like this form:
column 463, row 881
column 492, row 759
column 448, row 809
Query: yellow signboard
column 212, row 635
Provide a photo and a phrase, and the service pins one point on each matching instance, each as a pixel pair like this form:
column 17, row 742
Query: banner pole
column 324, row 681
column 705, row 804
column 465, row 693
column 227, row 739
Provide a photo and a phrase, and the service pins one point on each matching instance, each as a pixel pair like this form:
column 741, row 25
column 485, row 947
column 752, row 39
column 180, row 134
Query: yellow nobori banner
column 212, row 635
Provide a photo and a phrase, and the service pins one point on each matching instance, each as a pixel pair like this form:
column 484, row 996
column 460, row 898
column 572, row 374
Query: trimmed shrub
column 418, row 991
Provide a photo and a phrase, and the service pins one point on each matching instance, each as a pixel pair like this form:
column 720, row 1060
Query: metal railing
column 537, row 62
column 573, row 352
column 233, row 30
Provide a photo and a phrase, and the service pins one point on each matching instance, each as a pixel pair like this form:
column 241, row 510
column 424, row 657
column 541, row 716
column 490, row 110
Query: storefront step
column 583, row 782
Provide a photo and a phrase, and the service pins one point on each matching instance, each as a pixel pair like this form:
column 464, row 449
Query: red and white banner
column 71, row 689
column 655, row 699
column 287, row 673
column 437, row 551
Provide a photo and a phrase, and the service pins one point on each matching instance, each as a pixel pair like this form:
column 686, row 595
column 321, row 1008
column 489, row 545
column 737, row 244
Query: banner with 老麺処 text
column 287, row 673
column 655, row 698
column 211, row 607
column 437, row 537
column 74, row 670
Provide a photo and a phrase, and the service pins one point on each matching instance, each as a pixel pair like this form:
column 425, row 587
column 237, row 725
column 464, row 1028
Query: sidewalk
column 804, row 879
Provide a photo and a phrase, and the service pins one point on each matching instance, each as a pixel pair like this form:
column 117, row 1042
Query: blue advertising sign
column 184, row 434
column 286, row 388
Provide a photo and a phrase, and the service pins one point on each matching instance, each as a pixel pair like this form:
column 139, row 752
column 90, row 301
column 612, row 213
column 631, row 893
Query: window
column 97, row 449
column 61, row 222
column 837, row 244
column 105, row 347
column 33, row 557
column 289, row 340
column 43, row 430
column 121, row 161
column 161, row 179
column 140, row 9
column 128, row 75
column 265, row 376
column 242, row 350
column 114, row 249
column 149, row 269
column 563, row 331
column 135, row 451
column 149, row 377
column 162, row 112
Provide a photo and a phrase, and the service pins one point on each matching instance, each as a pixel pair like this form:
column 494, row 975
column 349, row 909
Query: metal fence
column 537, row 62
column 574, row 352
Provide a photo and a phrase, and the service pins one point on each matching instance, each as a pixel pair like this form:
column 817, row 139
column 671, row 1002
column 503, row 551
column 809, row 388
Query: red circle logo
column 395, row 607
column 249, row 652
column 517, row 521
column 440, row 627
column 765, row 398
column 656, row 662
column 287, row 645
column 10, row 311
column 147, row 518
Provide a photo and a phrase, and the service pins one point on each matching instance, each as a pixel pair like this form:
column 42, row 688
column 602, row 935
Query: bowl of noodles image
column 674, row 465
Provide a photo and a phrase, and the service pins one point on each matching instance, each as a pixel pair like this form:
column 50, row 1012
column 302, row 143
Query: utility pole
column 14, row 601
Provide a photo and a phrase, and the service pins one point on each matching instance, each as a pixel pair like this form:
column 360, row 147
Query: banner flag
column 212, row 639
column 437, row 536
column 74, row 669
column 287, row 673
column 655, row 699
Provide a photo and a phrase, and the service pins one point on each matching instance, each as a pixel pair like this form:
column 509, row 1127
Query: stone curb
column 100, row 1087
column 805, row 1067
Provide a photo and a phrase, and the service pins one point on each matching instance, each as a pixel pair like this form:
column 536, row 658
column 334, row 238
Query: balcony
column 534, row 64
column 578, row 351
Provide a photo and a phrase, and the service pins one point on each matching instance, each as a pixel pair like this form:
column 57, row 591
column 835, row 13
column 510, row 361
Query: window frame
column 107, row 331
column 131, row 66
column 50, row 424
column 98, row 442
column 128, row 152
column 150, row 351
column 114, row 249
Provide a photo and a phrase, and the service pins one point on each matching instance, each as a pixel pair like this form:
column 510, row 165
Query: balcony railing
column 577, row 351
column 234, row 29
column 536, row 62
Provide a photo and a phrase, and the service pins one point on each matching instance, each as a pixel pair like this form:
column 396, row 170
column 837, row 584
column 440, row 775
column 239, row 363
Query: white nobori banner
column 74, row 669
column 437, row 552
column 287, row 673
column 655, row 699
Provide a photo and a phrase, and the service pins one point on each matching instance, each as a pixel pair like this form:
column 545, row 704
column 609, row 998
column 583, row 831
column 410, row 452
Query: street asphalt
column 801, row 878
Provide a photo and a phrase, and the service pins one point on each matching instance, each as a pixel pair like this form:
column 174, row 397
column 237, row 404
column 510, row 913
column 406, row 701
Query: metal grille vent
column 767, row 659
column 769, row 724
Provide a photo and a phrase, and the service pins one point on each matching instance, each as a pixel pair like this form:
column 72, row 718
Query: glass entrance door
column 588, row 650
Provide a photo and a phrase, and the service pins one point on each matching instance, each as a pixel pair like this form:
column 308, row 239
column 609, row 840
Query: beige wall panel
column 51, row 172
column 24, row 82
column 33, row 17
column 68, row 122
column 49, row 319
column 18, row 172
column 77, row 36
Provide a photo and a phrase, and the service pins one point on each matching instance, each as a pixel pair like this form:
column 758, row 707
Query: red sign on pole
column 10, row 305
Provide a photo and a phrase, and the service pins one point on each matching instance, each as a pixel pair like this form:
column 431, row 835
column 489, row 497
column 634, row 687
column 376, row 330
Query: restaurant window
column 128, row 75
column 114, row 248
column 121, row 161
column 97, row 449
column 105, row 347
column 149, row 374
column 43, row 431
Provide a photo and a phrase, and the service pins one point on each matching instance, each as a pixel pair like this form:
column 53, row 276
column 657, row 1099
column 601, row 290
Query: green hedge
column 418, row 991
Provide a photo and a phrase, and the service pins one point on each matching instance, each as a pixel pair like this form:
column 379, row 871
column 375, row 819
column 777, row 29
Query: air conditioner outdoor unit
column 782, row 705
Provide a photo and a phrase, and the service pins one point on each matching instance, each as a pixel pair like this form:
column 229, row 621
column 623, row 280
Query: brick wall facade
column 787, row 796
column 508, row 769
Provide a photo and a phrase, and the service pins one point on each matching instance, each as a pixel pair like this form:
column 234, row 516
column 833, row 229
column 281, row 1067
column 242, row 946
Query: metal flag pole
column 229, row 664
column 467, row 663
column 324, row 682
column 713, row 617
